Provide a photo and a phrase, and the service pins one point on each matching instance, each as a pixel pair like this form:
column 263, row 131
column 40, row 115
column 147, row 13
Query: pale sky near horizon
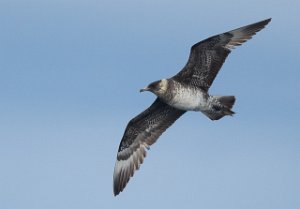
column 70, row 72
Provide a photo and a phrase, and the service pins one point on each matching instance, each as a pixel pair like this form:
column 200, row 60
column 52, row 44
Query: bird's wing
column 207, row 57
column 141, row 132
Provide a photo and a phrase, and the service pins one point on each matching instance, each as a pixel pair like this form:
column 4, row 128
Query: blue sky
column 70, row 72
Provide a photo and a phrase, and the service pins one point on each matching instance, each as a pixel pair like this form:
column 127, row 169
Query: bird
column 185, row 91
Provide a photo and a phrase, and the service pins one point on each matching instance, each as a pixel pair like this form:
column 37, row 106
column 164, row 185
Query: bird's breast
column 188, row 99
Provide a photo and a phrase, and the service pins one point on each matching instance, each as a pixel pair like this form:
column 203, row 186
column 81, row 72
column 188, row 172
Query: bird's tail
column 219, row 107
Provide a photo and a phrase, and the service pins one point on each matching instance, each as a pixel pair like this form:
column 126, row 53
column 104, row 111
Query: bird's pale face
column 157, row 87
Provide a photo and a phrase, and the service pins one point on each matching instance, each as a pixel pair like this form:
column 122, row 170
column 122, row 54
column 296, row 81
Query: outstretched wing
column 207, row 57
column 141, row 132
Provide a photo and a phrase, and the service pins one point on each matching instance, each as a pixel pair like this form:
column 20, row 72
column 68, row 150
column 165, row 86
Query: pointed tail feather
column 220, row 106
column 227, row 101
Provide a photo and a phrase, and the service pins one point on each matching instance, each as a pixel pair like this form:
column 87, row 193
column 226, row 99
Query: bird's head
column 157, row 87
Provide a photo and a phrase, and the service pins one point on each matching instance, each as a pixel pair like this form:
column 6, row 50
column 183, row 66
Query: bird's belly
column 189, row 101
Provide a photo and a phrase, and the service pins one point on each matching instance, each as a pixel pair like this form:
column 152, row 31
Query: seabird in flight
column 186, row 91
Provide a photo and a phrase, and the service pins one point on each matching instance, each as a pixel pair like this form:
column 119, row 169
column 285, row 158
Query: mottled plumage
column 186, row 91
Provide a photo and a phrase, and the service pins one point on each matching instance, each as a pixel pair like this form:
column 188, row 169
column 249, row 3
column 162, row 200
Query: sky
column 70, row 74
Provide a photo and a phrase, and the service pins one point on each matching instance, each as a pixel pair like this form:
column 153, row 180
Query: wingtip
column 124, row 169
column 259, row 25
column 116, row 193
column 266, row 21
column 263, row 23
column 269, row 19
column 118, row 187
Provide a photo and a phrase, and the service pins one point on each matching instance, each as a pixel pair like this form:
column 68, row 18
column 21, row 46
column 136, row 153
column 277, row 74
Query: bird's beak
column 144, row 89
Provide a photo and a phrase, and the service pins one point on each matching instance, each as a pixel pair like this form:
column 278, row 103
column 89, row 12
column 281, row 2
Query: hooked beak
column 145, row 89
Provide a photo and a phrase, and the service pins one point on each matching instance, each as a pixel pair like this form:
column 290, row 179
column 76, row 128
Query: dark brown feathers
column 207, row 57
column 141, row 132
